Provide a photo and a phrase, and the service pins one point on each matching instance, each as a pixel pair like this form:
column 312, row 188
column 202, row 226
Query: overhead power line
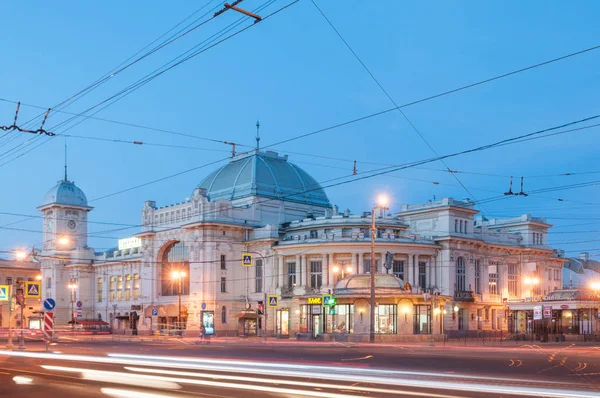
column 442, row 94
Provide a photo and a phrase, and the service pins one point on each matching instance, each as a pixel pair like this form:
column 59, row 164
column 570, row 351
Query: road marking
column 520, row 363
column 357, row 359
column 511, row 363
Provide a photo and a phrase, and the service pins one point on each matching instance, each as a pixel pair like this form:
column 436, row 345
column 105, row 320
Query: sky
column 293, row 73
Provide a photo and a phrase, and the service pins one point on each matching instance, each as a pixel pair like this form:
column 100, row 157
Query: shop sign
column 547, row 311
column 464, row 296
column 316, row 310
column 537, row 313
column 564, row 306
column 315, row 300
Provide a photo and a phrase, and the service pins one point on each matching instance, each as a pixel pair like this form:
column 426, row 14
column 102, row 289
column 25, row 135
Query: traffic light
column 331, row 304
column 261, row 308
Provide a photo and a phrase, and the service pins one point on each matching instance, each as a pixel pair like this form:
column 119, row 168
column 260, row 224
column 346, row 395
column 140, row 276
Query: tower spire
column 66, row 159
column 257, row 135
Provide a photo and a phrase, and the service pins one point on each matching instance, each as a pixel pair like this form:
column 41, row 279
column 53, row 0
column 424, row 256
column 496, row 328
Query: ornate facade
column 439, row 268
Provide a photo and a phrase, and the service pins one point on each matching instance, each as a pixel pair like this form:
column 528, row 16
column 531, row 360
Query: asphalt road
column 221, row 369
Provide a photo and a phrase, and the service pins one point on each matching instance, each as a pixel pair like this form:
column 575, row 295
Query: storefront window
column 422, row 319
column 342, row 321
column 303, row 318
column 386, row 319
column 283, row 322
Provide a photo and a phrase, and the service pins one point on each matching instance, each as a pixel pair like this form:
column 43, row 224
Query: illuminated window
column 493, row 283
column 127, row 287
column 111, row 287
column 120, row 288
column 136, row 286
column 421, row 319
column 99, row 290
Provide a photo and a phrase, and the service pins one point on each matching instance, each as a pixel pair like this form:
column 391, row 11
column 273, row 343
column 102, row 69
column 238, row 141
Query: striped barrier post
column 48, row 325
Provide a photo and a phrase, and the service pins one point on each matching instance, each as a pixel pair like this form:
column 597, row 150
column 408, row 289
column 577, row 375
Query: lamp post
column 179, row 275
column 72, row 286
column 382, row 202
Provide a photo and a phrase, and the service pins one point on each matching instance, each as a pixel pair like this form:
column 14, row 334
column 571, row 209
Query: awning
column 90, row 322
column 165, row 310
column 248, row 315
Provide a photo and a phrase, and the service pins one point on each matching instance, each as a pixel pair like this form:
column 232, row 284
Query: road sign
column 79, row 314
column 49, row 304
column 203, row 306
column 272, row 301
column 326, row 299
column 33, row 290
column 154, row 311
column 79, row 304
column 247, row 260
column 4, row 293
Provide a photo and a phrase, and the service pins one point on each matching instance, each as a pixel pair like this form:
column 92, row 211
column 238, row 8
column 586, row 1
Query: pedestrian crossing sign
column 32, row 290
column 247, row 260
column 272, row 301
column 4, row 293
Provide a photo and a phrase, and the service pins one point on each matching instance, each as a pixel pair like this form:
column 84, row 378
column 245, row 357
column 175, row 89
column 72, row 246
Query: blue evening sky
column 294, row 74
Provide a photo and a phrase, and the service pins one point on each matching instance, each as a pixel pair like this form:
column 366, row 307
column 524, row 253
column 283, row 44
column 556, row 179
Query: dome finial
column 257, row 135
column 66, row 159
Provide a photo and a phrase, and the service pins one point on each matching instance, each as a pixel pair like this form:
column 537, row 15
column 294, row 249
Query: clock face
column 72, row 224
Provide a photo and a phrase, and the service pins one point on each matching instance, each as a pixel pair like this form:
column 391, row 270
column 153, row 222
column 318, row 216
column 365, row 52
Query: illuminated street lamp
column 531, row 282
column 72, row 286
column 342, row 270
column 179, row 275
column 64, row 240
column 20, row 255
column 382, row 203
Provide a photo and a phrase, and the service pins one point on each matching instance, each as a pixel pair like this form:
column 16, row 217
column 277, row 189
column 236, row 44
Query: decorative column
column 382, row 269
column 409, row 270
column 306, row 269
column 416, row 271
column 361, row 263
column 280, row 271
column 299, row 278
column 354, row 263
column 325, row 270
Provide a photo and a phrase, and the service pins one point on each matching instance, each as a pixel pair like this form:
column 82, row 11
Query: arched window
column 461, row 275
column 175, row 258
column 224, row 314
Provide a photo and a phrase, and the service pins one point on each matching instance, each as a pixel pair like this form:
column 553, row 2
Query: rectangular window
column 316, row 275
column 367, row 232
column 111, row 287
column 386, row 319
column 346, row 232
column 422, row 319
column 422, row 274
column 380, row 233
column 8, row 281
column 127, row 287
column 259, row 276
column 314, row 234
column 493, row 283
column 398, row 269
column 477, row 277
column 99, row 290
column 291, row 274
column 367, row 265
column 513, row 279
column 223, row 285
column 223, row 261
column 328, row 233
column 120, row 288
column 136, row 286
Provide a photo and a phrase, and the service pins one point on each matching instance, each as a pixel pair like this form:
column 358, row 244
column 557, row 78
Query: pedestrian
column 202, row 333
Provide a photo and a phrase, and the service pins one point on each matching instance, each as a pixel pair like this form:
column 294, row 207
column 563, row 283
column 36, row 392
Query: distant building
column 580, row 273
column 448, row 272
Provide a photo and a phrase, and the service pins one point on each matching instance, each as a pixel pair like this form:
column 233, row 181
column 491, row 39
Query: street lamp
column 179, row 275
column 63, row 240
column 72, row 286
column 531, row 282
column 382, row 203
column 342, row 270
column 20, row 255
